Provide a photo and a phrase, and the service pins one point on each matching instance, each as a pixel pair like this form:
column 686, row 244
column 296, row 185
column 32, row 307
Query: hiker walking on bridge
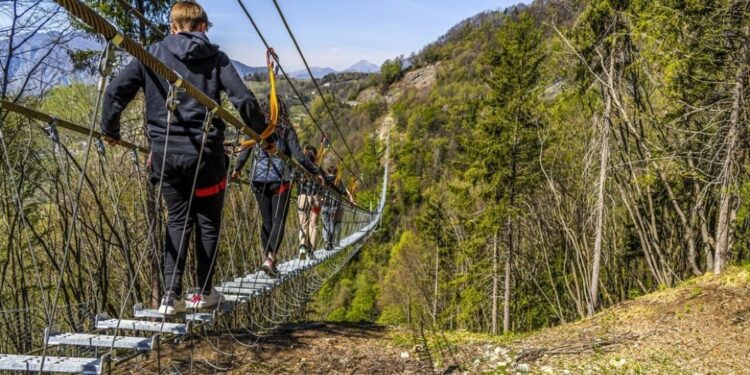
column 332, row 210
column 187, row 159
column 308, row 210
column 272, row 184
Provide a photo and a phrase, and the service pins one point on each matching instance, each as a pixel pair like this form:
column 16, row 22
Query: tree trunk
column 727, row 194
column 596, row 264
column 506, row 297
column 495, row 284
column 437, row 284
column 152, row 213
column 604, row 163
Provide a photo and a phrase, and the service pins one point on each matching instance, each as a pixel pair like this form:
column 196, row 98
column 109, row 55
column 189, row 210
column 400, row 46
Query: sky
column 337, row 33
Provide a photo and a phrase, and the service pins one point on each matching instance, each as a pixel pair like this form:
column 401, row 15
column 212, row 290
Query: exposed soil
column 330, row 349
column 701, row 327
column 421, row 79
column 305, row 348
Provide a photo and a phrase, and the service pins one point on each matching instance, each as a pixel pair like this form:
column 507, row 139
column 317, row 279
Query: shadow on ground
column 302, row 348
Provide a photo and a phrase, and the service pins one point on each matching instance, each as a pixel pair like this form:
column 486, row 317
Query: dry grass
column 700, row 327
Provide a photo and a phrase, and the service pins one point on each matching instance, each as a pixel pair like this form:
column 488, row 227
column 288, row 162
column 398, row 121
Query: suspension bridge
column 83, row 238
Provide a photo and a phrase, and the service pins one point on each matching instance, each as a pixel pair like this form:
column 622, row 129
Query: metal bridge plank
column 193, row 317
column 241, row 291
column 236, row 299
column 32, row 363
column 139, row 325
column 250, row 284
column 102, row 341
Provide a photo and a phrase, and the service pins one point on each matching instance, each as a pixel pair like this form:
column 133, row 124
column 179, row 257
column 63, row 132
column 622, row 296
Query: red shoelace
column 196, row 298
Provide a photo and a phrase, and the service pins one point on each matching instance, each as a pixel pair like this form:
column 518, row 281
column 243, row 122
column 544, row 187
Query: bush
column 391, row 71
column 392, row 315
column 338, row 315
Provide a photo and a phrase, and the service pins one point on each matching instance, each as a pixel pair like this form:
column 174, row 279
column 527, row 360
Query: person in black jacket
column 272, row 182
column 188, row 166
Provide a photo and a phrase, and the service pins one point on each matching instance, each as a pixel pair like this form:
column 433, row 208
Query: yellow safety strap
column 339, row 172
column 273, row 101
column 353, row 186
column 321, row 153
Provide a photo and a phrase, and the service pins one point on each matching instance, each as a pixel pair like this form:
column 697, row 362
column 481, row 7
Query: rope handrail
column 315, row 83
column 295, row 90
column 103, row 27
column 263, row 308
column 41, row 116
column 142, row 18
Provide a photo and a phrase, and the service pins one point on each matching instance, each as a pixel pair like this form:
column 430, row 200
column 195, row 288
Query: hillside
column 529, row 191
column 699, row 327
column 568, row 193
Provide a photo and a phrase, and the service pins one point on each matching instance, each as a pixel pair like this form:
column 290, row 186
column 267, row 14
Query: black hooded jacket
column 201, row 64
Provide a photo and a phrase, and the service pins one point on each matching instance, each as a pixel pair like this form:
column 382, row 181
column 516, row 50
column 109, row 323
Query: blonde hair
column 188, row 15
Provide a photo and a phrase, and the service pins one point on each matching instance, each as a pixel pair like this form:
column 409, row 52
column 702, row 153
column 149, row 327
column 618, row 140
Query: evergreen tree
column 122, row 13
column 505, row 144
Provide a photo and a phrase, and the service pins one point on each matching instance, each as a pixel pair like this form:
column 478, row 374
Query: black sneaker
column 302, row 252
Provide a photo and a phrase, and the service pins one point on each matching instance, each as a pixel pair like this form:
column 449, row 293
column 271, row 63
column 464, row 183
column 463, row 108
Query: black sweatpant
column 273, row 202
column 204, row 213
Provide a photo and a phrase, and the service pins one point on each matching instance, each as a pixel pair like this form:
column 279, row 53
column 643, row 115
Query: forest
column 570, row 155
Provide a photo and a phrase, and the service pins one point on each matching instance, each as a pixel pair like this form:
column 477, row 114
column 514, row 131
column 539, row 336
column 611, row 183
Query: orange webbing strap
column 353, row 186
column 324, row 144
column 339, row 172
column 273, row 100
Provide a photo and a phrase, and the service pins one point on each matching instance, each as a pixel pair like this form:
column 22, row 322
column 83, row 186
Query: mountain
column 59, row 68
column 318, row 72
column 363, row 66
column 245, row 70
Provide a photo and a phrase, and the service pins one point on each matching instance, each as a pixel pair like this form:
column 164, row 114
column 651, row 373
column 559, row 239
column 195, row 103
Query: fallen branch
column 531, row 355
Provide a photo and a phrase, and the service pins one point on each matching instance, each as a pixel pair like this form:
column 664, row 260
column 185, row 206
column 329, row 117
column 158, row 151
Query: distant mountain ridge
column 59, row 68
column 317, row 72
column 245, row 70
column 362, row 66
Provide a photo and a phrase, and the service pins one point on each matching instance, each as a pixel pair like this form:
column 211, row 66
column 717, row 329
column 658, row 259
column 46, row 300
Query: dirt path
column 700, row 327
column 305, row 348
column 329, row 349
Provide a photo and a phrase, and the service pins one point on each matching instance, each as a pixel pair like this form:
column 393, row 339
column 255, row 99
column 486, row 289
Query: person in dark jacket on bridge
column 187, row 159
column 272, row 184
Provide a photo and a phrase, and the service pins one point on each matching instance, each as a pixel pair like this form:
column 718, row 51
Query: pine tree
column 505, row 145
